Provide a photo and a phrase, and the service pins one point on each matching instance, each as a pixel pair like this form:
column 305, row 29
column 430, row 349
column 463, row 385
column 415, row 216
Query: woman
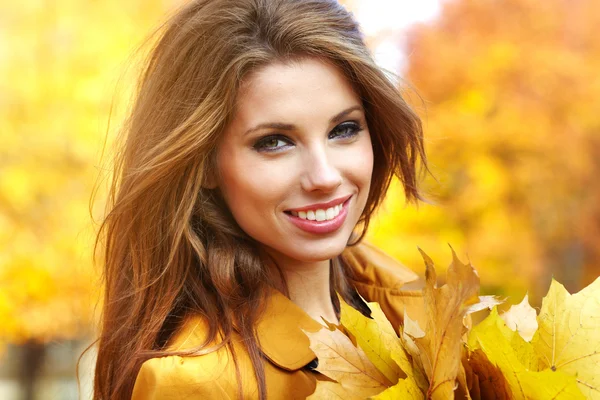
column 262, row 139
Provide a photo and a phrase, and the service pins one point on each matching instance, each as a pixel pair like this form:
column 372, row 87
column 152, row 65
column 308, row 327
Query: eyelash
column 351, row 129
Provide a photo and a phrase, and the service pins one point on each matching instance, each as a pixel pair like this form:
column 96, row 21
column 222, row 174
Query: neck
column 308, row 287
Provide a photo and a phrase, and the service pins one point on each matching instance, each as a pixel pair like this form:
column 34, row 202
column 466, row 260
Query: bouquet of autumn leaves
column 515, row 355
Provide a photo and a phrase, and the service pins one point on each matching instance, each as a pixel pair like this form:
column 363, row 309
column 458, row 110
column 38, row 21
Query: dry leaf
column 378, row 339
column 522, row 318
column 568, row 339
column 440, row 348
column 341, row 361
column 484, row 302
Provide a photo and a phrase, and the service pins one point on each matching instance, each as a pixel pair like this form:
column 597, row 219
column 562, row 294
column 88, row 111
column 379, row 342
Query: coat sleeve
column 174, row 377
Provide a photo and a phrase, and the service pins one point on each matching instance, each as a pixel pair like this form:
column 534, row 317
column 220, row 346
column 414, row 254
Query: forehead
column 295, row 90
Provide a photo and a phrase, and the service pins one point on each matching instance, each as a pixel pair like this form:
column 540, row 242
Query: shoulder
column 186, row 376
column 175, row 377
column 380, row 278
column 373, row 267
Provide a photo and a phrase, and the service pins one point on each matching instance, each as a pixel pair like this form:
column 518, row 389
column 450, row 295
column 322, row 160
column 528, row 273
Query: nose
column 320, row 171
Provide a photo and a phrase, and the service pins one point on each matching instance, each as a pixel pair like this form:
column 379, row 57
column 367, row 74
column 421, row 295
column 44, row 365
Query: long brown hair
column 171, row 247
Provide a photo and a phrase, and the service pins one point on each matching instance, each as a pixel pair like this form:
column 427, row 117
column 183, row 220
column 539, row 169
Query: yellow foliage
column 421, row 362
column 442, row 361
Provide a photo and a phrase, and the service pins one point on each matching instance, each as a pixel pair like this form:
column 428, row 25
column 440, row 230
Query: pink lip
column 322, row 206
column 321, row 227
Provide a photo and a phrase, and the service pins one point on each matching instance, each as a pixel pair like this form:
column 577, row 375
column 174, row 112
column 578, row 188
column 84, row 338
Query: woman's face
column 295, row 163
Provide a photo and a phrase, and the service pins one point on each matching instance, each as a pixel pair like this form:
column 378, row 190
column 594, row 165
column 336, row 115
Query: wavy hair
column 170, row 245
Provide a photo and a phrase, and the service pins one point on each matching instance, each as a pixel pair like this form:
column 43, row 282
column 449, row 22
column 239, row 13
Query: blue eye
column 271, row 143
column 345, row 130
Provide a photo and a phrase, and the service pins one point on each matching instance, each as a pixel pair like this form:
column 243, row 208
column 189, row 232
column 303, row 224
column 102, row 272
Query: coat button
column 313, row 364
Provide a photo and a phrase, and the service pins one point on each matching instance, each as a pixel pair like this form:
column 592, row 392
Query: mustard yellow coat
column 286, row 347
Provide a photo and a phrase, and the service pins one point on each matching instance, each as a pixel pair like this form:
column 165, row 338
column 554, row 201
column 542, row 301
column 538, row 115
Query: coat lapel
column 280, row 332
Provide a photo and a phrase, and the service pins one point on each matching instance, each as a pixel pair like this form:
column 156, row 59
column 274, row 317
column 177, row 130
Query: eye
column 271, row 143
column 345, row 130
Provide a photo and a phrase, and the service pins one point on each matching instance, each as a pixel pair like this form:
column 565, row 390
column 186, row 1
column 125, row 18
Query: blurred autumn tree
column 59, row 65
column 511, row 91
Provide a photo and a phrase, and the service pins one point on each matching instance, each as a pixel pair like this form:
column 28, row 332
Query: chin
column 317, row 250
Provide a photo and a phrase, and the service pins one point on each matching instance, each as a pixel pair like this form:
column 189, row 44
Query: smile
column 319, row 214
column 321, row 218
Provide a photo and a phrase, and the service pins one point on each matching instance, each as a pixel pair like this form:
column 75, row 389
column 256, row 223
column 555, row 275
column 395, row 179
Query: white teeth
column 330, row 213
column 320, row 214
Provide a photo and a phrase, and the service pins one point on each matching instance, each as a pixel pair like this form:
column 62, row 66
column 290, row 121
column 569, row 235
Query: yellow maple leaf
column 568, row 338
column 511, row 354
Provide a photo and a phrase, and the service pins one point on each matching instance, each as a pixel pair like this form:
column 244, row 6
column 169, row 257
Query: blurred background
column 508, row 90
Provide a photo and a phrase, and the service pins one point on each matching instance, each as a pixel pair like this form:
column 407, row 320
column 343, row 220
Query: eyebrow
column 289, row 127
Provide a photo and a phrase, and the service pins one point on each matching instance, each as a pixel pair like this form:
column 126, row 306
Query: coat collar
column 279, row 332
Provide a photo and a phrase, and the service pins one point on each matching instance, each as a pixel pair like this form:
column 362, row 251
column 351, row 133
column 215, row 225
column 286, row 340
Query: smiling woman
column 262, row 140
column 298, row 191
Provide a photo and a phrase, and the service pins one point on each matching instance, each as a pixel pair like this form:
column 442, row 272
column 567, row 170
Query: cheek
column 361, row 163
column 250, row 190
column 360, row 169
